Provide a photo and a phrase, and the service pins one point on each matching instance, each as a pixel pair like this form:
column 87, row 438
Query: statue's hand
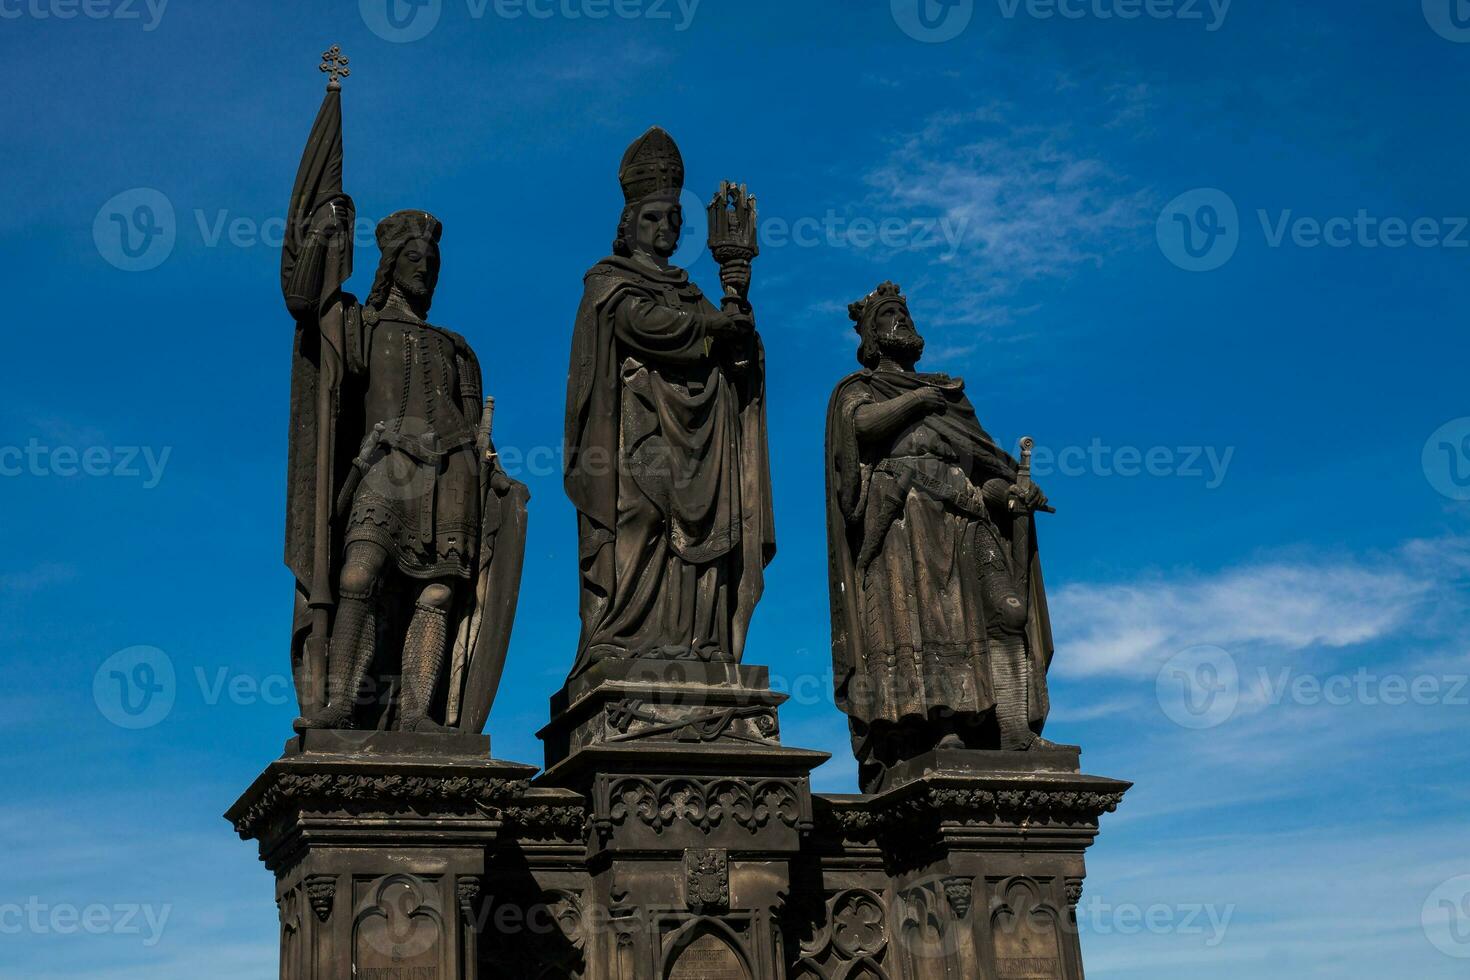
column 1025, row 501
column 736, row 275
column 330, row 220
column 931, row 401
column 732, row 324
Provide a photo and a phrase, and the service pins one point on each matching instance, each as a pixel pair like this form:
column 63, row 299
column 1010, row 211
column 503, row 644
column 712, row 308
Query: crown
column 866, row 308
column 651, row 165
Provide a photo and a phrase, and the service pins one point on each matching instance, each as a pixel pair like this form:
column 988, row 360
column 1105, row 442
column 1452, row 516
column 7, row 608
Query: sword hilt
column 1023, row 472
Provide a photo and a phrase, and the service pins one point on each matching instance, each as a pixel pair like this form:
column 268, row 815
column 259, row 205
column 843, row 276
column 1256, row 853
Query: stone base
column 970, row 865
column 378, row 845
column 696, row 813
column 662, row 702
column 680, row 846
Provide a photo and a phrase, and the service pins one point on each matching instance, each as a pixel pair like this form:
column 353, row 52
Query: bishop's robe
column 668, row 468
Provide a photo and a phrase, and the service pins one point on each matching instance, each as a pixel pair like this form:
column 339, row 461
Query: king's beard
column 906, row 347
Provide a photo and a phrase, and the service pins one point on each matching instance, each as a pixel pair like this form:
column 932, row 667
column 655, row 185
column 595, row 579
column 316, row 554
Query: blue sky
column 1257, row 430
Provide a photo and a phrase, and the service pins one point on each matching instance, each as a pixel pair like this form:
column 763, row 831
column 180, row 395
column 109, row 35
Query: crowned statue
column 405, row 534
column 666, row 456
column 940, row 634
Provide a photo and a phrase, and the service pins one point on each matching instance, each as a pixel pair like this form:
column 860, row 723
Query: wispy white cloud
column 1130, row 628
column 1029, row 203
column 35, row 578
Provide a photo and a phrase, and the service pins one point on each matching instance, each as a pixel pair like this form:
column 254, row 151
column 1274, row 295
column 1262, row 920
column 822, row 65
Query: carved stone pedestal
column 696, row 813
column 672, row 837
column 969, row 864
column 377, row 841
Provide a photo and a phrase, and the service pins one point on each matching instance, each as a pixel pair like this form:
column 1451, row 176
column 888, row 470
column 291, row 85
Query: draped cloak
column 668, row 467
column 896, row 535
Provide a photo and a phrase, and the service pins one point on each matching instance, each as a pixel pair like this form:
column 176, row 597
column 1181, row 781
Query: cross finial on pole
column 334, row 64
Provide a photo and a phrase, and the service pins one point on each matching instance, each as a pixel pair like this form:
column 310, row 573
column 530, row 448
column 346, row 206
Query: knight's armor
column 419, row 498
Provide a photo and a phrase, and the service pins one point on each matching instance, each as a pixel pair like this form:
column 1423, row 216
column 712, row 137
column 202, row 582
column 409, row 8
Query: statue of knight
column 940, row 634
column 405, row 534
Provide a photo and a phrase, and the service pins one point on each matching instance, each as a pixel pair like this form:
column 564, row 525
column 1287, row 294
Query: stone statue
column 666, row 458
column 405, row 534
column 940, row 634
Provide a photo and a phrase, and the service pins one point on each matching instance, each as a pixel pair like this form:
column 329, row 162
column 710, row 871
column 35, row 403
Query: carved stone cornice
column 358, row 792
column 925, row 804
column 544, row 819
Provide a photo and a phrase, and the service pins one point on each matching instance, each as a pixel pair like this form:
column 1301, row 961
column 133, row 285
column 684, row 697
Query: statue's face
column 894, row 332
column 417, row 270
column 896, row 327
column 656, row 230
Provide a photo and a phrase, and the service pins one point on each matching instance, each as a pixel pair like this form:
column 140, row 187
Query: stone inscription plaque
column 708, row 958
column 1027, row 950
column 399, row 939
